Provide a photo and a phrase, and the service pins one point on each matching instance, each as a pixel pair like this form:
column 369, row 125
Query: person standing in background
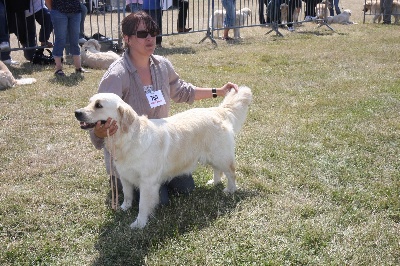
column 386, row 9
column 334, row 7
column 66, row 18
column 133, row 5
column 153, row 8
column 82, row 37
column 39, row 12
column 230, row 17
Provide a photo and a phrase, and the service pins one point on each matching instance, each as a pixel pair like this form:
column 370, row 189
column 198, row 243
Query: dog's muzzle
column 80, row 116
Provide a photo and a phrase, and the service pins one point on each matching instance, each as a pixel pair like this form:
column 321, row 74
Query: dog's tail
column 25, row 81
column 238, row 103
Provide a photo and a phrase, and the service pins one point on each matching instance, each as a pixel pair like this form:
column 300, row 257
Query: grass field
column 317, row 160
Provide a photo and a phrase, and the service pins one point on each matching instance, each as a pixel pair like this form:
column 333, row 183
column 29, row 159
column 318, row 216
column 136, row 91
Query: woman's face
column 142, row 42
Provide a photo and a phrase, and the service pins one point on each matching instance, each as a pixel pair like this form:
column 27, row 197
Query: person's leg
column 387, row 11
column 82, row 23
column 230, row 16
column 183, row 6
column 273, row 11
column 182, row 184
column 74, row 21
column 60, row 24
column 337, row 8
column 4, row 35
column 331, row 10
column 156, row 15
column 261, row 12
column 30, row 40
column 291, row 7
column 46, row 27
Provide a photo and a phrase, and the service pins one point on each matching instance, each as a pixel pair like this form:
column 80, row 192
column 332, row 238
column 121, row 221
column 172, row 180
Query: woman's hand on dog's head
column 105, row 130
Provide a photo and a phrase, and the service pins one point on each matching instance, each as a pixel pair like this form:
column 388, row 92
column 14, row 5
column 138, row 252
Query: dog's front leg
column 149, row 198
column 127, row 188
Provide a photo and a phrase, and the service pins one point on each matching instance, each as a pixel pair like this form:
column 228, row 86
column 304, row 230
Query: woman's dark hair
column 131, row 23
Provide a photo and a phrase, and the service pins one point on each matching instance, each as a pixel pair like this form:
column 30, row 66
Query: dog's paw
column 137, row 224
column 212, row 182
column 125, row 206
column 228, row 190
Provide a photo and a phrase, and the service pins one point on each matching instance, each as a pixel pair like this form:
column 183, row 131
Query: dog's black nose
column 78, row 114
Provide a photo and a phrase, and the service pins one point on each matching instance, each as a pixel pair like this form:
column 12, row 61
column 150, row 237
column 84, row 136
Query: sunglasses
column 142, row 34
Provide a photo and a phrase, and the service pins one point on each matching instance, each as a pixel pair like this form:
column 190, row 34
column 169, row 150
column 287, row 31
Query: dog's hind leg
column 149, row 198
column 230, row 175
column 217, row 177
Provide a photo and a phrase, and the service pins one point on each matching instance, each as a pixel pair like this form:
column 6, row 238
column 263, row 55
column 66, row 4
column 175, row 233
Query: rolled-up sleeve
column 180, row 90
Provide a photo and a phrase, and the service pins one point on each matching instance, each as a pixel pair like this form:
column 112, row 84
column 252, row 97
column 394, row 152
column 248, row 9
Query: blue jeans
column 66, row 24
column 337, row 9
column 4, row 36
column 230, row 17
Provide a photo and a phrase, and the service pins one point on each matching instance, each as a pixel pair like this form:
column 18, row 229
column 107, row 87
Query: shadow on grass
column 178, row 50
column 69, row 80
column 119, row 245
column 318, row 32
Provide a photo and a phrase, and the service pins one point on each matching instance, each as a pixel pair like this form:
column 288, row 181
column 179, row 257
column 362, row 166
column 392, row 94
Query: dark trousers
column 18, row 26
column 310, row 7
column 156, row 15
column 261, row 9
column 42, row 17
column 183, row 6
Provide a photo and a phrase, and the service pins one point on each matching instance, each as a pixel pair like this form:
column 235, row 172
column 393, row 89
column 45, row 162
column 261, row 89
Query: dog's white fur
column 322, row 9
column 7, row 79
column 150, row 152
column 92, row 56
column 375, row 8
column 240, row 20
column 296, row 14
column 342, row 18
column 284, row 13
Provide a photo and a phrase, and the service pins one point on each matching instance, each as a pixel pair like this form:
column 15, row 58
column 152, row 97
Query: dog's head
column 347, row 11
column 284, row 6
column 246, row 11
column 91, row 45
column 367, row 7
column 103, row 106
column 6, row 79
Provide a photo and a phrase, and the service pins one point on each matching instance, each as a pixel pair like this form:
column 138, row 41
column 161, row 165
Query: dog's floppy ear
column 127, row 117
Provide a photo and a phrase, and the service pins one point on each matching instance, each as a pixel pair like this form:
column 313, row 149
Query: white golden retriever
column 240, row 20
column 322, row 9
column 7, row 79
column 150, row 152
column 342, row 18
column 92, row 56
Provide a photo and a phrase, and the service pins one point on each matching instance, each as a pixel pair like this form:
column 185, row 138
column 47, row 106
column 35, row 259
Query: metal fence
column 373, row 10
column 203, row 16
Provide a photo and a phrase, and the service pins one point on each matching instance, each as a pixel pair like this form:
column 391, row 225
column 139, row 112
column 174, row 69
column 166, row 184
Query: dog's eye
column 98, row 105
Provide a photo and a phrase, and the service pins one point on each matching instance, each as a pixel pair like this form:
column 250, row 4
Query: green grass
column 317, row 160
